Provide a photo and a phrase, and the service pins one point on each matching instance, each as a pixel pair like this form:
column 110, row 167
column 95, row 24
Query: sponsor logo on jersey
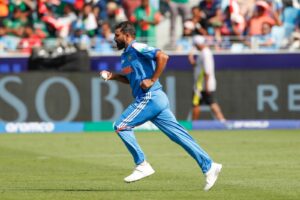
column 127, row 70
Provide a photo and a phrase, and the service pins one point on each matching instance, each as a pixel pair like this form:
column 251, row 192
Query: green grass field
column 256, row 165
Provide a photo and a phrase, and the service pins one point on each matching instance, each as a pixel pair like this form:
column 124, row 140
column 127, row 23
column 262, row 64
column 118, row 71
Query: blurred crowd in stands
column 89, row 24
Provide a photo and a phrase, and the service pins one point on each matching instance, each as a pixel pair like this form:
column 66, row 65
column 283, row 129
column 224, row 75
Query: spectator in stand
column 3, row 41
column 115, row 14
column 198, row 18
column 263, row 14
column 96, row 12
column 79, row 37
column 102, row 4
column 145, row 19
column 155, row 4
column 107, row 33
column 130, row 6
column 78, row 5
column 294, row 43
column 65, row 21
column 30, row 40
column 40, row 27
column 266, row 40
column 177, row 7
column 3, row 9
column 8, row 42
column 290, row 17
column 88, row 19
column 194, row 26
column 276, row 6
column 15, row 24
column 215, row 24
column 23, row 5
column 210, row 7
column 296, row 4
column 245, row 8
column 47, row 15
column 232, row 28
column 21, row 15
column 51, row 24
column 213, row 13
column 233, row 24
column 104, row 42
column 184, row 44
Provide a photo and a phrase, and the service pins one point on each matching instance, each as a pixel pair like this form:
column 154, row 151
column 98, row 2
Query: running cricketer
column 141, row 68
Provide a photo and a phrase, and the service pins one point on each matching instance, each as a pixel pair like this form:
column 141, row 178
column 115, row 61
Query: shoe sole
column 140, row 178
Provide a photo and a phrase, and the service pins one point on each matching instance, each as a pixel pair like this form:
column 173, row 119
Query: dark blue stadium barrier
column 228, row 61
column 257, row 61
column 223, row 62
column 13, row 64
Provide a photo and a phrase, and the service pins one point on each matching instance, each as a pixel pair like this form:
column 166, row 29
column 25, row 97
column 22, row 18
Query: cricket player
column 141, row 68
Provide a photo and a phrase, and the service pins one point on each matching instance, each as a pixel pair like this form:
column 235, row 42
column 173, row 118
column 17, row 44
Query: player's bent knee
column 119, row 127
column 115, row 126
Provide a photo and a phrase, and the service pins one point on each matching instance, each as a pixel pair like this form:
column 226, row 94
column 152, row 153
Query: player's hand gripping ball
column 104, row 75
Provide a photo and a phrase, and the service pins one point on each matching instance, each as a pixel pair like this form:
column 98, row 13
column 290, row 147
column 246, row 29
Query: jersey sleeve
column 145, row 50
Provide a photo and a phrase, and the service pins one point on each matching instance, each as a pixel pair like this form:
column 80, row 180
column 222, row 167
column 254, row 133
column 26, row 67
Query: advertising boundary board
column 98, row 127
column 66, row 97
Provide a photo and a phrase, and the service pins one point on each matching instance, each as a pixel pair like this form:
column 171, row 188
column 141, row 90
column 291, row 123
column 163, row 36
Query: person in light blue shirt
column 141, row 68
column 290, row 18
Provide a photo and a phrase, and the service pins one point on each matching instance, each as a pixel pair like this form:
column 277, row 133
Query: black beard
column 120, row 45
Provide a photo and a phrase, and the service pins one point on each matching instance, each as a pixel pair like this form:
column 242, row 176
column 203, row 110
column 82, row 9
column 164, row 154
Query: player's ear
column 127, row 35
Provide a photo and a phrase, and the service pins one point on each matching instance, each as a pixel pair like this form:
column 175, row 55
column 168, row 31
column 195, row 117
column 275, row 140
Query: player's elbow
column 166, row 57
column 162, row 56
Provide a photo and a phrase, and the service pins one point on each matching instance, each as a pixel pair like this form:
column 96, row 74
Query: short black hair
column 126, row 27
column 287, row 3
column 195, row 7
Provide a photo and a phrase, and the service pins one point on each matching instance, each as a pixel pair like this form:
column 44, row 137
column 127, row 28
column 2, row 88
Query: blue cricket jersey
column 138, row 63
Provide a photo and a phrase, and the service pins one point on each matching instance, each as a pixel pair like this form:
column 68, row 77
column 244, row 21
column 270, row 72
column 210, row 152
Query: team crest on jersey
column 127, row 70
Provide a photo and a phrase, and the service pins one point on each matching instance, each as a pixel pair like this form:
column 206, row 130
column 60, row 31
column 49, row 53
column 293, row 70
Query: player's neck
column 128, row 42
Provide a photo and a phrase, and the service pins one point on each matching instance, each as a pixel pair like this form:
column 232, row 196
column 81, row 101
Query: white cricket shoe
column 212, row 175
column 141, row 171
